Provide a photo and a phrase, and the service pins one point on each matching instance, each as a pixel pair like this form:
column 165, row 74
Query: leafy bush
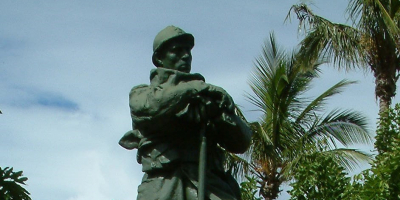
column 319, row 176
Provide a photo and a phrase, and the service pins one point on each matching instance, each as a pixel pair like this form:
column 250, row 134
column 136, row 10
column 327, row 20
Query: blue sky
column 66, row 68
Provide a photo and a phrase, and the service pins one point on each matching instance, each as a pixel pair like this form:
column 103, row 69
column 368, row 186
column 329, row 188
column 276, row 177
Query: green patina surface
column 168, row 117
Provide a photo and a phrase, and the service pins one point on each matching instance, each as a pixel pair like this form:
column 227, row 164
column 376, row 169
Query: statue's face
column 176, row 55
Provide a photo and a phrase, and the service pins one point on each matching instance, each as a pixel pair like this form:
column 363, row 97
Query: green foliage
column 373, row 41
column 10, row 185
column 387, row 135
column 291, row 121
column 319, row 177
column 382, row 181
column 248, row 189
column 384, row 176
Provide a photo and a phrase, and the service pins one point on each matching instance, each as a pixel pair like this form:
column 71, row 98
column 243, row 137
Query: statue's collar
column 161, row 75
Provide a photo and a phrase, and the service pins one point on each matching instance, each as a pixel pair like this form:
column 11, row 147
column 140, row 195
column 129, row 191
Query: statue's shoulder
column 141, row 86
column 138, row 89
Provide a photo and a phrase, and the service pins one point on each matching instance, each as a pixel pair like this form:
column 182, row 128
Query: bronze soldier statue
column 168, row 117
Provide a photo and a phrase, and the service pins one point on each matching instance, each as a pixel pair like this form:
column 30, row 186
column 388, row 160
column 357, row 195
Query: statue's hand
column 211, row 109
column 195, row 111
column 203, row 109
column 207, row 105
column 220, row 97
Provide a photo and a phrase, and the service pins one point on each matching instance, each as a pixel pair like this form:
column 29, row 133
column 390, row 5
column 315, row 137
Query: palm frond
column 345, row 126
column 319, row 102
column 373, row 13
column 339, row 43
column 264, row 78
column 237, row 166
column 262, row 146
column 349, row 158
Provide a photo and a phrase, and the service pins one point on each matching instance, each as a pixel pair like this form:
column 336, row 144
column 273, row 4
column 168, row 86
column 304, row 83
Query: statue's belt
column 165, row 156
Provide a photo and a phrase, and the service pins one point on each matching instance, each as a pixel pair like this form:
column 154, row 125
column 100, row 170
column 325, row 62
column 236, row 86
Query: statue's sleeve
column 234, row 133
column 153, row 106
column 231, row 131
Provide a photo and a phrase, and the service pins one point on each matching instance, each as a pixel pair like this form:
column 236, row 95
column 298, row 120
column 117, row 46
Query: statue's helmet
column 167, row 34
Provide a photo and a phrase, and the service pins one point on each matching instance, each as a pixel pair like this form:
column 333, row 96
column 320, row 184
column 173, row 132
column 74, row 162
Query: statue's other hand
column 205, row 109
column 195, row 111
column 221, row 97
column 212, row 109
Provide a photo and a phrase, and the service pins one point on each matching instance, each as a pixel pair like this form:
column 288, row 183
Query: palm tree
column 291, row 123
column 372, row 43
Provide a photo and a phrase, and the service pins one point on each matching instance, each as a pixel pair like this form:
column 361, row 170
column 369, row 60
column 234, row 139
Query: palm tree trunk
column 385, row 90
column 384, row 105
column 382, row 137
column 385, row 86
column 383, row 61
column 270, row 188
